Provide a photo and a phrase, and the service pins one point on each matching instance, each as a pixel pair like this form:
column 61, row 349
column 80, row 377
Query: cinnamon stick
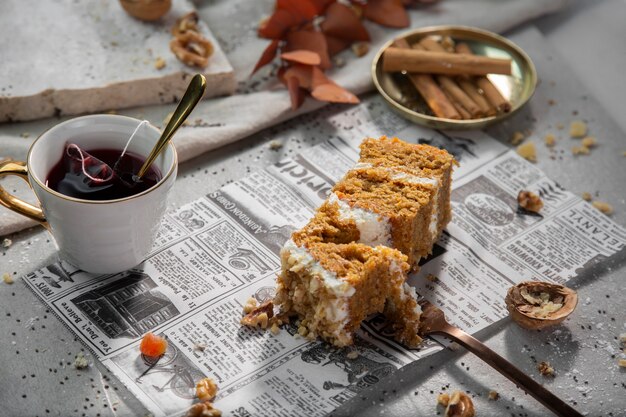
column 449, row 85
column 490, row 90
column 428, row 89
column 400, row 59
column 471, row 90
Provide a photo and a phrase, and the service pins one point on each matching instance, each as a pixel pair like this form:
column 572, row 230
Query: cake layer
column 332, row 288
column 414, row 159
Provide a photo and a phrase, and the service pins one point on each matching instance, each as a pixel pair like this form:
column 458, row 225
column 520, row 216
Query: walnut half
column 536, row 304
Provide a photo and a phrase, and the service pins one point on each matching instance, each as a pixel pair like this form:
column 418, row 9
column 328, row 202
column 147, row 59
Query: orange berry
column 153, row 345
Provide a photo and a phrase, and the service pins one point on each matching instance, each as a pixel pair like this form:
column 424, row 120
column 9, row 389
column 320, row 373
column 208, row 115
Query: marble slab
column 69, row 57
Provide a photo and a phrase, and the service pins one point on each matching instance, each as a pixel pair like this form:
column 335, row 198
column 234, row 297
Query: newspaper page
column 211, row 255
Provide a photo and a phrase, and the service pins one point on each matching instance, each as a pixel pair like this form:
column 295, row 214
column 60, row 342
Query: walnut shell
column 536, row 304
column 148, row 10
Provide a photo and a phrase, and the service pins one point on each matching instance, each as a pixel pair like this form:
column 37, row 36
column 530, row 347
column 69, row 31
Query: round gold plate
column 401, row 95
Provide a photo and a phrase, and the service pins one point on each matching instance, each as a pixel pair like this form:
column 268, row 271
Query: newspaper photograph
column 213, row 254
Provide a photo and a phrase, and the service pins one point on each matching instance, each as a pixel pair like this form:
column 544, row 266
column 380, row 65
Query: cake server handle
column 434, row 323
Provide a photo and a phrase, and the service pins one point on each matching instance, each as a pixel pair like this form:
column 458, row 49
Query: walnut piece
column 206, row 389
column 80, row 361
column 586, row 196
column 529, row 201
column 578, row 129
column 203, row 410
column 6, row 242
column 545, row 369
column 260, row 316
column 188, row 22
column 527, row 151
column 536, row 304
column 460, row 405
column 432, row 278
column 493, row 395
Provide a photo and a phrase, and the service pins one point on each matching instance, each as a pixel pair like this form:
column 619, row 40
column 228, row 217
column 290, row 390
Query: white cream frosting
column 374, row 229
column 300, row 259
column 413, row 179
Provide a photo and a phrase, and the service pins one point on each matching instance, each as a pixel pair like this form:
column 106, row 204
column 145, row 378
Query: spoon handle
column 506, row 368
column 192, row 96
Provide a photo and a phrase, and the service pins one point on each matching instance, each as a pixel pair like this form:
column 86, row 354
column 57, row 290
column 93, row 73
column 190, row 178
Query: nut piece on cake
column 535, row 304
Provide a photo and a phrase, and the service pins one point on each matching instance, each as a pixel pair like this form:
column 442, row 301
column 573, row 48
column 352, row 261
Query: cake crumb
column 339, row 62
column 551, row 102
column 560, row 126
column 432, row 278
column 353, row 354
column 580, row 150
column 550, row 139
column 275, row 329
column 159, row 63
column 527, row 151
column 493, row 395
column 275, row 145
column 454, row 346
column 586, row 196
column 80, row 361
column 605, row 208
column 360, row 48
column 8, row 279
column 577, row 129
column 589, row 141
column 443, row 399
column 200, row 347
column 7, row 243
column 517, row 138
column 529, row 201
column 545, row 369
column 622, row 338
column 25, row 135
column 622, row 363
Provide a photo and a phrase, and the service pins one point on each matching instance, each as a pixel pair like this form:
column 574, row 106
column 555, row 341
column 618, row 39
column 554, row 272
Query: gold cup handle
column 13, row 203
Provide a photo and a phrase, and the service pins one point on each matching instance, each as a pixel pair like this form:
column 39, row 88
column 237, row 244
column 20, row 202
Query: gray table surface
column 37, row 376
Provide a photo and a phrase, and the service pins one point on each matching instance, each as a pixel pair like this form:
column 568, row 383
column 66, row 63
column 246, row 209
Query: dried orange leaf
column 267, row 56
column 278, row 25
column 318, row 78
column 341, row 22
column 389, row 13
column 336, row 45
column 296, row 94
column 301, row 56
column 333, row 93
column 301, row 72
column 321, row 5
column 303, row 9
column 309, row 41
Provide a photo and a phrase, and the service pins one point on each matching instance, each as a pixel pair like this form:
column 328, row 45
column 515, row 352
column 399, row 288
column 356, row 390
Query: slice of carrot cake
column 419, row 160
column 333, row 287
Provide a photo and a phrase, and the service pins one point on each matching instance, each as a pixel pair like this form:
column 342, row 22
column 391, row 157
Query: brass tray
column 401, row 95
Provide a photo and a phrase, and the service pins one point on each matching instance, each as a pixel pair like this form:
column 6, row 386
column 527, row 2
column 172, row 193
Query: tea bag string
column 82, row 158
column 142, row 123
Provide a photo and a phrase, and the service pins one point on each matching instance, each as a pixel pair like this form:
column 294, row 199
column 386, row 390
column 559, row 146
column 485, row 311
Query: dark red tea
column 89, row 174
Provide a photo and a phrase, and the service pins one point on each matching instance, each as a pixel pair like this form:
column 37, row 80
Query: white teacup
column 105, row 236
